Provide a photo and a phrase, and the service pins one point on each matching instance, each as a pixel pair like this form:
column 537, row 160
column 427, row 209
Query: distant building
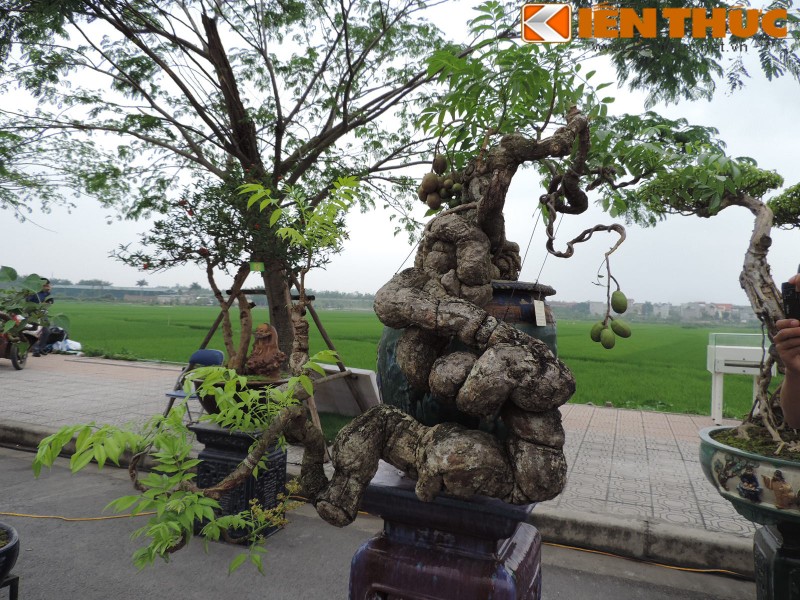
column 597, row 308
column 662, row 310
column 129, row 294
column 144, row 294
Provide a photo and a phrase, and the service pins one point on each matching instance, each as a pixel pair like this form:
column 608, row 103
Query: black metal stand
column 12, row 583
column 776, row 549
column 449, row 549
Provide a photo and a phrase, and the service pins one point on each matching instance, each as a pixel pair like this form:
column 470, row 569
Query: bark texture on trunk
column 280, row 304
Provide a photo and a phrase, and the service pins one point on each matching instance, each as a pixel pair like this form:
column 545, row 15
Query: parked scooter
column 17, row 347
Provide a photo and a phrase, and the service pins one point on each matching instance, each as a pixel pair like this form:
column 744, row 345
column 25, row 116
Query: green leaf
column 79, row 460
column 100, row 455
column 256, row 559
column 307, row 385
column 32, row 282
column 164, row 468
column 236, row 563
column 8, row 274
column 315, row 367
column 276, row 214
column 113, row 449
column 122, row 504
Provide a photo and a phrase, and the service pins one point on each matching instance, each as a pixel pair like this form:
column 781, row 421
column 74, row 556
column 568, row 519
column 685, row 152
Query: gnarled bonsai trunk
column 765, row 300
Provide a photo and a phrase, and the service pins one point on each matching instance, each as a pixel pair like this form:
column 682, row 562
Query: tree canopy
column 136, row 102
column 135, row 91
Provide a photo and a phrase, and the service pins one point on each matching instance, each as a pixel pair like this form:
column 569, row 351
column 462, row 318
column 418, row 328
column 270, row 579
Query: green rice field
column 660, row 367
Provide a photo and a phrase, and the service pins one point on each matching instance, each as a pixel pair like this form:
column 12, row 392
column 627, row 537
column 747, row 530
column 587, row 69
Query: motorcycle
column 16, row 347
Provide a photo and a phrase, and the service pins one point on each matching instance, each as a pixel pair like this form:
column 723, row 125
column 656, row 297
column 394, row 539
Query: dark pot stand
column 776, row 545
column 223, row 452
column 777, row 561
column 445, row 549
column 12, row 583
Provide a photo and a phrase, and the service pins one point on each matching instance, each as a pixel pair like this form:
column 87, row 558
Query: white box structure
column 736, row 353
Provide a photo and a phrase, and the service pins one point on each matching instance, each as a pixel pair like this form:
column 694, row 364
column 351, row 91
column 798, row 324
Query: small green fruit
column 456, row 188
column 619, row 302
column 621, row 328
column 595, row 332
column 607, row 338
column 439, row 163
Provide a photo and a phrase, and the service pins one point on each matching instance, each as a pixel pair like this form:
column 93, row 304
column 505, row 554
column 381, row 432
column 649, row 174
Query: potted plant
column 252, row 403
column 9, row 549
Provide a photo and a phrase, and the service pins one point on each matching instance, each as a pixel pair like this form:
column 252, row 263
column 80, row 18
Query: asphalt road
column 90, row 559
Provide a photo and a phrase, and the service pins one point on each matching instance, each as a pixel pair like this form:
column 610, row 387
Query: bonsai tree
column 703, row 185
column 642, row 167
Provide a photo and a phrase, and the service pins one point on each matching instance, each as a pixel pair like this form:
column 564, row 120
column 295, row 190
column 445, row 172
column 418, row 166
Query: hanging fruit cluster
column 607, row 330
column 437, row 188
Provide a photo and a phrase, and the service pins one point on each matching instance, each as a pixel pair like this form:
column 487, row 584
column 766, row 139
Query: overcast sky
column 682, row 259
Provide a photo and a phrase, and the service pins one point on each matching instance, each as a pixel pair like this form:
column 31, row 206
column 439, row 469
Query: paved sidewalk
column 635, row 486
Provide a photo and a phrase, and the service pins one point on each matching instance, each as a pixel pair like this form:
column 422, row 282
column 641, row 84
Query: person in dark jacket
column 42, row 297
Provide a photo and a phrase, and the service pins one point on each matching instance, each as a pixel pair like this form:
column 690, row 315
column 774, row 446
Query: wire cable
column 74, row 519
column 648, row 562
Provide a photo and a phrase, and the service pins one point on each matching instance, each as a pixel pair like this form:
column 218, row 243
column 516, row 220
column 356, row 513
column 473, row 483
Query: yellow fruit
column 621, row 328
column 439, row 163
column 619, row 302
column 607, row 338
column 595, row 332
column 430, row 183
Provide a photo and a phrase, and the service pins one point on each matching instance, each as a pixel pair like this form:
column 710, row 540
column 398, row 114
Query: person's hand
column 787, row 340
column 795, row 279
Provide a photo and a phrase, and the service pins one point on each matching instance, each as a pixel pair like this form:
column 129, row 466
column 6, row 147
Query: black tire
column 19, row 357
